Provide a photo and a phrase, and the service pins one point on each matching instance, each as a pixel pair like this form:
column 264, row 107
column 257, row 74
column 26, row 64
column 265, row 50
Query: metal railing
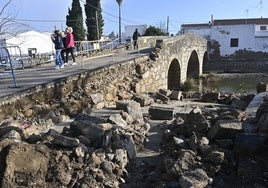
column 6, row 64
column 85, row 47
column 16, row 56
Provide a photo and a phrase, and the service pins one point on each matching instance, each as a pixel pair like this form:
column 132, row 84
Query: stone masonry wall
column 181, row 48
column 152, row 79
column 74, row 93
column 115, row 82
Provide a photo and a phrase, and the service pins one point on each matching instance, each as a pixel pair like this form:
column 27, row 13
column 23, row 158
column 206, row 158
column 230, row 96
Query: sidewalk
column 31, row 77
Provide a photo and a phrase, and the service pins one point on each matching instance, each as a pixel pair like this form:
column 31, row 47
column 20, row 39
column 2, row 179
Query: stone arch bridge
column 178, row 58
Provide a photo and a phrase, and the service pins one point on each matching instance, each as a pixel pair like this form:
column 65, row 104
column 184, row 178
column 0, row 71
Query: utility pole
column 246, row 16
column 261, row 4
column 97, row 23
column 119, row 24
column 167, row 24
column 119, row 4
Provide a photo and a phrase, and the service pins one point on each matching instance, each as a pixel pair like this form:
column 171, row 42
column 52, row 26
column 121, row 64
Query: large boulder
column 26, row 165
column 133, row 108
column 91, row 130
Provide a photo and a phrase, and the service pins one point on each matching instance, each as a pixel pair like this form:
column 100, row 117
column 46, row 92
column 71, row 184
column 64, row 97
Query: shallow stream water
column 229, row 83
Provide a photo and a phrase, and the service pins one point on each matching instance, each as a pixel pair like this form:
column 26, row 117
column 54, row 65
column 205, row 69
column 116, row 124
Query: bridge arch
column 176, row 59
column 193, row 68
column 174, row 75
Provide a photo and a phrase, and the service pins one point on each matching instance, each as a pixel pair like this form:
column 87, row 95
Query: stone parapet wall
column 149, row 41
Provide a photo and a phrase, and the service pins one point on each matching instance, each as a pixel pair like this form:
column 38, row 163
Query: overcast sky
column 45, row 15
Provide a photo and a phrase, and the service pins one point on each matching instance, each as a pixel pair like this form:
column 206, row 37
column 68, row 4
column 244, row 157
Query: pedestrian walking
column 57, row 40
column 70, row 44
column 63, row 51
column 135, row 37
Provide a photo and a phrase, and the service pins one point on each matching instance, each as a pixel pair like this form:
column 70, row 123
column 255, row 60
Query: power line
column 107, row 16
column 31, row 20
column 127, row 21
column 134, row 16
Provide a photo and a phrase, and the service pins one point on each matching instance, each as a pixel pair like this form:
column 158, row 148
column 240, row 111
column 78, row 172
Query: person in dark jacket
column 63, row 51
column 135, row 37
column 57, row 40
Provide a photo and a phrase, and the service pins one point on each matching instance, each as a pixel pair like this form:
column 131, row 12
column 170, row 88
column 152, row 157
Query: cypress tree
column 74, row 19
column 93, row 19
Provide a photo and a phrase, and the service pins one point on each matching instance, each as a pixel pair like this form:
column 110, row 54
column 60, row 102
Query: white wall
column 261, row 44
column 224, row 33
column 249, row 35
column 261, row 38
column 32, row 39
column 202, row 31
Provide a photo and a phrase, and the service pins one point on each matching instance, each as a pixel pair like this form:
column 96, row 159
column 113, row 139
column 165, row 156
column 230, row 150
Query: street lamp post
column 119, row 4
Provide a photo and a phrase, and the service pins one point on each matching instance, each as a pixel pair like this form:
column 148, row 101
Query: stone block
column 176, row 95
column 133, row 108
column 161, row 113
column 210, row 97
column 96, row 98
column 144, row 100
column 215, row 157
column 225, row 129
column 117, row 120
column 261, row 87
column 162, row 97
column 165, row 92
column 182, row 112
column 194, row 178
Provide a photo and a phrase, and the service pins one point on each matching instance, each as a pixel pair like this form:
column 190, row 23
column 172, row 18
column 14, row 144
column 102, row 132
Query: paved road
column 31, row 77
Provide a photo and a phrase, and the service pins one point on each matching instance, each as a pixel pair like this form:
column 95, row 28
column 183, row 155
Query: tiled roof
column 231, row 22
column 195, row 25
column 241, row 21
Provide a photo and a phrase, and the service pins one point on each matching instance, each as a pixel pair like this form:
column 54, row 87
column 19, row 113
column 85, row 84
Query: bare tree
column 8, row 22
column 162, row 26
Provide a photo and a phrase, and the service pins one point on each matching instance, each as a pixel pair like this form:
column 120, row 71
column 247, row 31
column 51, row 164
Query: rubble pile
column 210, row 145
column 92, row 152
column 204, row 141
column 199, row 154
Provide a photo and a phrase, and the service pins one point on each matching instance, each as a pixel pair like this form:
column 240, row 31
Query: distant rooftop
column 231, row 22
column 241, row 21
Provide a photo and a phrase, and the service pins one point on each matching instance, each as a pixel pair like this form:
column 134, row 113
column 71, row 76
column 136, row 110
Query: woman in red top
column 69, row 39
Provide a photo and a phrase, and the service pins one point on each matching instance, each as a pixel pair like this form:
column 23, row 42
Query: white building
column 29, row 41
column 234, row 34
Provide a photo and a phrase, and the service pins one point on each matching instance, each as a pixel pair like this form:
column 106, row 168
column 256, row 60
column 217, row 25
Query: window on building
column 263, row 28
column 234, row 42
